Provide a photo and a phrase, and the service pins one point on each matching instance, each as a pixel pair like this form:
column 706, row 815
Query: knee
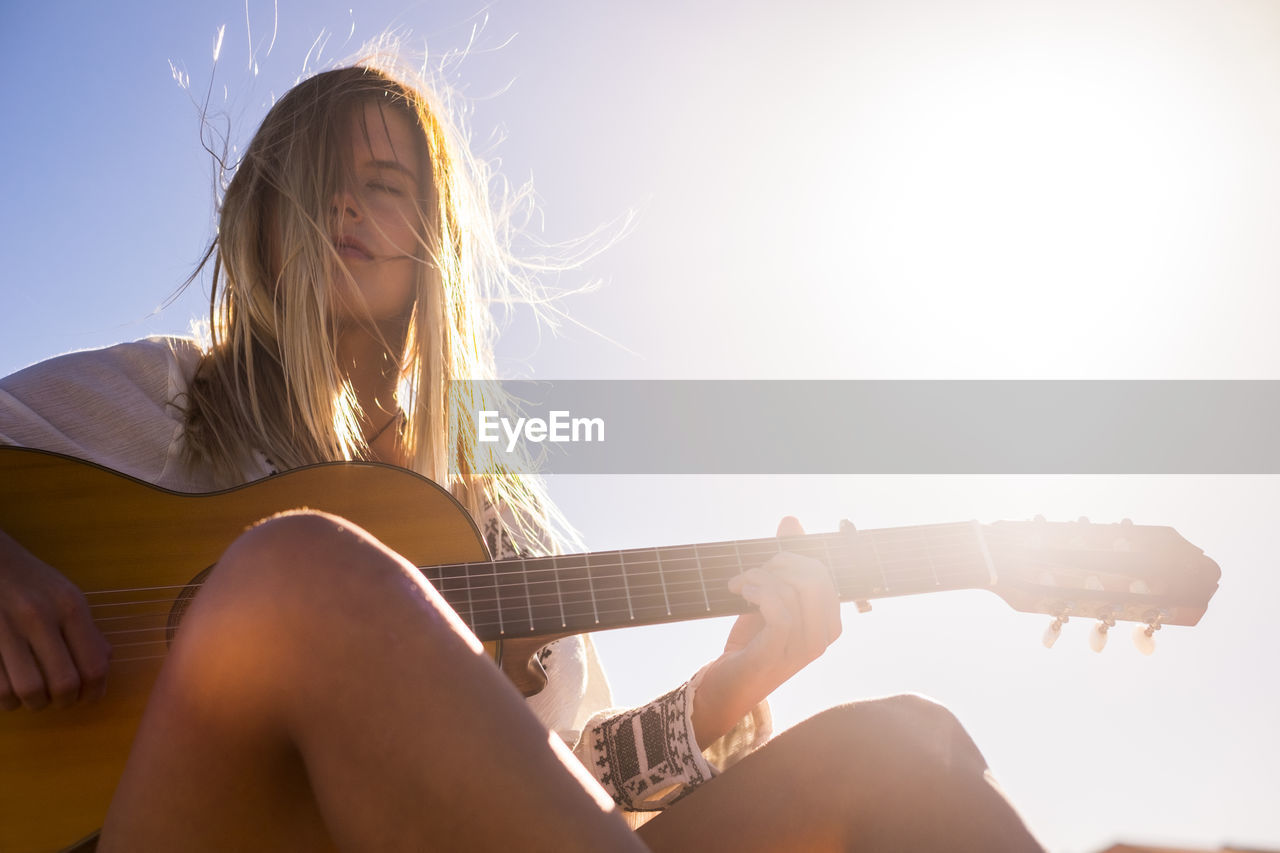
column 911, row 715
column 306, row 553
column 301, row 537
column 306, row 570
column 898, row 714
column 909, row 733
column 872, row 765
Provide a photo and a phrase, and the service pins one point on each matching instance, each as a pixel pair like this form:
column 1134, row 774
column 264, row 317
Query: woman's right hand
column 51, row 653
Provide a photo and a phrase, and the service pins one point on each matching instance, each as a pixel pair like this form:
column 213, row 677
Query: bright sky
column 993, row 189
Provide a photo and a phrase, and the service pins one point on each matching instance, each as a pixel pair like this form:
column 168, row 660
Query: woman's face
column 376, row 230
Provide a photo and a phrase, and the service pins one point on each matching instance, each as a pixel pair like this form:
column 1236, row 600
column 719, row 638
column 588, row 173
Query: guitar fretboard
column 610, row 589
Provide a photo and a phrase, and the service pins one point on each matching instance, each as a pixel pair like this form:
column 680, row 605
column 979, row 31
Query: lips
column 352, row 248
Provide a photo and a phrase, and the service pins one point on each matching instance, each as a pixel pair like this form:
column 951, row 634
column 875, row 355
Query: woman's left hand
column 797, row 616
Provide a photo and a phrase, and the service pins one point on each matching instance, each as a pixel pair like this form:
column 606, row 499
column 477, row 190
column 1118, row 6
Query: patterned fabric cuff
column 647, row 758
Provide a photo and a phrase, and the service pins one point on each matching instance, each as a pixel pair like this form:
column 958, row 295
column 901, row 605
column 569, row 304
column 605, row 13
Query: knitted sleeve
column 120, row 407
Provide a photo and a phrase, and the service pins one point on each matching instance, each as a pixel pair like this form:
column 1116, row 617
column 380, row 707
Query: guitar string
column 481, row 620
column 641, row 580
column 958, row 568
column 631, row 571
column 685, row 596
column 580, row 622
column 612, row 611
column 712, row 552
column 611, row 607
column 573, row 627
column 163, row 641
column 591, row 562
column 935, row 536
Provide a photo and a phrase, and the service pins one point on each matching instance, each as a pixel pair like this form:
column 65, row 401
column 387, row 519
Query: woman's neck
column 371, row 365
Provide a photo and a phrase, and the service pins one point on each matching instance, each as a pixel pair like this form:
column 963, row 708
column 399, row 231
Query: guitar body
column 105, row 531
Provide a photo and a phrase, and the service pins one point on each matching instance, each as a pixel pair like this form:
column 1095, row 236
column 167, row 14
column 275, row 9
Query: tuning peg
column 1054, row 631
column 1143, row 635
column 1098, row 636
column 1084, row 519
column 863, row 606
column 846, row 526
column 1039, row 518
column 1143, row 639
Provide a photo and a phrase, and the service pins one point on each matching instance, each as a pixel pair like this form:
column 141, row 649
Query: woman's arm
column 111, row 406
column 651, row 756
column 797, row 616
column 50, row 650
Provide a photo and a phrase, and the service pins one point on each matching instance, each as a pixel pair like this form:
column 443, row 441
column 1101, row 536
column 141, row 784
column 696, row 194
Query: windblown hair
column 271, row 380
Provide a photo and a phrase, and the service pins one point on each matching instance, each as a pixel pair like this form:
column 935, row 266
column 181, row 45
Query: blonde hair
column 271, row 380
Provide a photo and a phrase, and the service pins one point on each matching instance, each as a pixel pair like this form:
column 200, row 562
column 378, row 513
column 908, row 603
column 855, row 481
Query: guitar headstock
column 1109, row 572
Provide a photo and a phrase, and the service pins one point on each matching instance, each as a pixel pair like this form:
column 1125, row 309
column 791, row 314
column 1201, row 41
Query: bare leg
column 888, row 774
column 320, row 693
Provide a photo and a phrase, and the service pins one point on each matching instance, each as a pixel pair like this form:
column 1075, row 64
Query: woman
column 350, row 268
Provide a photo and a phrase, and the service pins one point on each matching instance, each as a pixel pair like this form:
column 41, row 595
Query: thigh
column 215, row 764
column 321, row 688
column 890, row 774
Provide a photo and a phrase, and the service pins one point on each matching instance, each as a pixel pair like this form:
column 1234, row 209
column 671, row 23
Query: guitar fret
column 483, row 597
column 646, row 584
column 702, row 579
column 856, row 566
column 541, row 592
column 497, row 592
column 446, row 583
column 471, row 605
column 555, row 570
column 528, row 599
column 685, row 590
column 576, row 606
column 875, row 553
column 609, row 582
column 626, row 588
column 986, row 555
column 830, row 563
column 595, row 607
column 911, row 555
column 662, row 578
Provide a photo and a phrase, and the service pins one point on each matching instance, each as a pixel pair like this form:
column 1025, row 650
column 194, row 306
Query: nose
column 344, row 205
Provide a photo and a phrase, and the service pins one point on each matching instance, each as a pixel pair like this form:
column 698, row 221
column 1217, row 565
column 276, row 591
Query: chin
column 377, row 306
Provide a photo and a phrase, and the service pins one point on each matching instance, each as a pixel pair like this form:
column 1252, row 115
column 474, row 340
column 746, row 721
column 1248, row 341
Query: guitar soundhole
column 183, row 602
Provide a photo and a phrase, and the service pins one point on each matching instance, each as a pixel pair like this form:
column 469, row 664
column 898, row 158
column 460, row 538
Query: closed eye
column 389, row 176
column 384, row 187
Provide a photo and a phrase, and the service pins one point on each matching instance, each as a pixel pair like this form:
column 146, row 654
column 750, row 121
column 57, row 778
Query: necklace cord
column 369, row 440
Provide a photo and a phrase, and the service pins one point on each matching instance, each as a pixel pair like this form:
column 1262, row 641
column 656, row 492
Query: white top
column 121, row 407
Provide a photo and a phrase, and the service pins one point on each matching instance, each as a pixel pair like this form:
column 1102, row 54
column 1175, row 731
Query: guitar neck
column 575, row 593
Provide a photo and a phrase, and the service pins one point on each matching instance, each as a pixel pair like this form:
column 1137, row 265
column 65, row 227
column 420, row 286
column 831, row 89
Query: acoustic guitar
column 140, row 553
